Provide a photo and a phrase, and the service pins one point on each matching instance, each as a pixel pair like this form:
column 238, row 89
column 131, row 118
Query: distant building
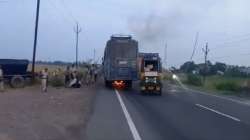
column 245, row 70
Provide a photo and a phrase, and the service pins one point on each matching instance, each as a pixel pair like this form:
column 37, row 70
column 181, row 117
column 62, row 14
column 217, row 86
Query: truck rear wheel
column 17, row 81
column 107, row 84
column 142, row 92
column 129, row 84
column 160, row 92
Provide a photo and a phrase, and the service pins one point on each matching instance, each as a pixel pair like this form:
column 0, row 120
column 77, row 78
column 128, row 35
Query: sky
column 223, row 24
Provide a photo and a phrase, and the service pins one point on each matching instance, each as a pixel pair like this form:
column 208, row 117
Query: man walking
column 44, row 80
column 1, row 80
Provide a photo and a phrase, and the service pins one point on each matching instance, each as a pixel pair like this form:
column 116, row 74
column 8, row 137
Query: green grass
column 212, row 81
column 220, row 84
column 59, row 80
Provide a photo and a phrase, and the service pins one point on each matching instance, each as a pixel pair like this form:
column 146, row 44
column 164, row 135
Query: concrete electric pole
column 205, row 50
column 77, row 31
column 165, row 55
column 94, row 56
column 35, row 39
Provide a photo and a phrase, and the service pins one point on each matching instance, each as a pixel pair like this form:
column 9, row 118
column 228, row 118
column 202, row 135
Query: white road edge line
column 217, row 112
column 131, row 124
column 221, row 97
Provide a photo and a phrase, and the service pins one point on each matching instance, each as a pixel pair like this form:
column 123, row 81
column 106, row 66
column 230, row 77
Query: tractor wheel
column 17, row 81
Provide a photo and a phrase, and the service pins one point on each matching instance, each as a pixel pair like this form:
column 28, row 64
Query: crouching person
column 1, row 80
column 75, row 82
column 44, row 80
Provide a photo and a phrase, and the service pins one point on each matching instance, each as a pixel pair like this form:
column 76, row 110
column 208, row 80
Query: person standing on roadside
column 1, row 80
column 88, row 77
column 44, row 79
column 92, row 69
column 95, row 74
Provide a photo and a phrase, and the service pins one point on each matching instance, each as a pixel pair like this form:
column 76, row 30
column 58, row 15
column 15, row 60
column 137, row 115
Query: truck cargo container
column 120, row 61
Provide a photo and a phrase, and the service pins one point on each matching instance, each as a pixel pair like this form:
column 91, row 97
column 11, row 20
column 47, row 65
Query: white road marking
column 173, row 90
column 131, row 124
column 221, row 97
column 217, row 112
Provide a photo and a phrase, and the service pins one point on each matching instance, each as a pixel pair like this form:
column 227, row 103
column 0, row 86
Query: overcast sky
column 224, row 24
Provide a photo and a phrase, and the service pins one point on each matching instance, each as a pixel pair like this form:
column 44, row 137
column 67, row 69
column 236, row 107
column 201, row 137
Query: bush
column 195, row 80
column 56, row 81
column 227, row 86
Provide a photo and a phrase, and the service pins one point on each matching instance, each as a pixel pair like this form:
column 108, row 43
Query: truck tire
column 142, row 93
column 129, row 84
column 160, row 93
column 17, row 81
column 107, row 84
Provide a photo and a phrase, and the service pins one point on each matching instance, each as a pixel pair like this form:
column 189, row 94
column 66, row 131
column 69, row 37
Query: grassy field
column 51, row 68
column 221, row 84
column 211, row 81
column 59, row 79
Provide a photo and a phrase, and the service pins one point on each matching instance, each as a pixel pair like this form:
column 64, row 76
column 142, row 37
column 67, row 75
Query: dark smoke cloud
column 155, row 30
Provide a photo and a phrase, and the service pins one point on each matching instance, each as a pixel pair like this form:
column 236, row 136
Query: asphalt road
column 176, row 115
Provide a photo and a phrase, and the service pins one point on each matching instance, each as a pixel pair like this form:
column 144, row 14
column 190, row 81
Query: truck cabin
column 151, row 64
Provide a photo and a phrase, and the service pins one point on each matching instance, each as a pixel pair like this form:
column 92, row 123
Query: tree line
column 213, row 69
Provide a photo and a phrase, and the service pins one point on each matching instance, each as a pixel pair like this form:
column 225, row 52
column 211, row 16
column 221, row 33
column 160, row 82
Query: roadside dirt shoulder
column 60, row 114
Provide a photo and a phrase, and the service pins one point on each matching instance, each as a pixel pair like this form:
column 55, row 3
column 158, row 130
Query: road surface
column 176, row 115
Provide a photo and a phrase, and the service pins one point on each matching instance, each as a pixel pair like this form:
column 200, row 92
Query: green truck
column 150, row 69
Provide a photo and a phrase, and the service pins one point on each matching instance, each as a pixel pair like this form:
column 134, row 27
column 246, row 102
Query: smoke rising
column 153, row 31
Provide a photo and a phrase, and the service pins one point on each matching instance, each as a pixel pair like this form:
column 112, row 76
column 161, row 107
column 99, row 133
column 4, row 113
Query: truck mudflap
column 151, row 88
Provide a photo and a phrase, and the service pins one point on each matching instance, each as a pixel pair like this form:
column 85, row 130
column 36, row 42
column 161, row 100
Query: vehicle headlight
column 146, row 79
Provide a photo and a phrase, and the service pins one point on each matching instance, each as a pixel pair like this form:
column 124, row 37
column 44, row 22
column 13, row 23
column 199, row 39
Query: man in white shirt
column 1, row 80
column 44, row 80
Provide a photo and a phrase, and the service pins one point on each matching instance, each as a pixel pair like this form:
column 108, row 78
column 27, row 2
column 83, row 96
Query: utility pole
column 35, row 39
column 77, row 31
column 94, row 56
column 205, row 50
column 165, row 55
